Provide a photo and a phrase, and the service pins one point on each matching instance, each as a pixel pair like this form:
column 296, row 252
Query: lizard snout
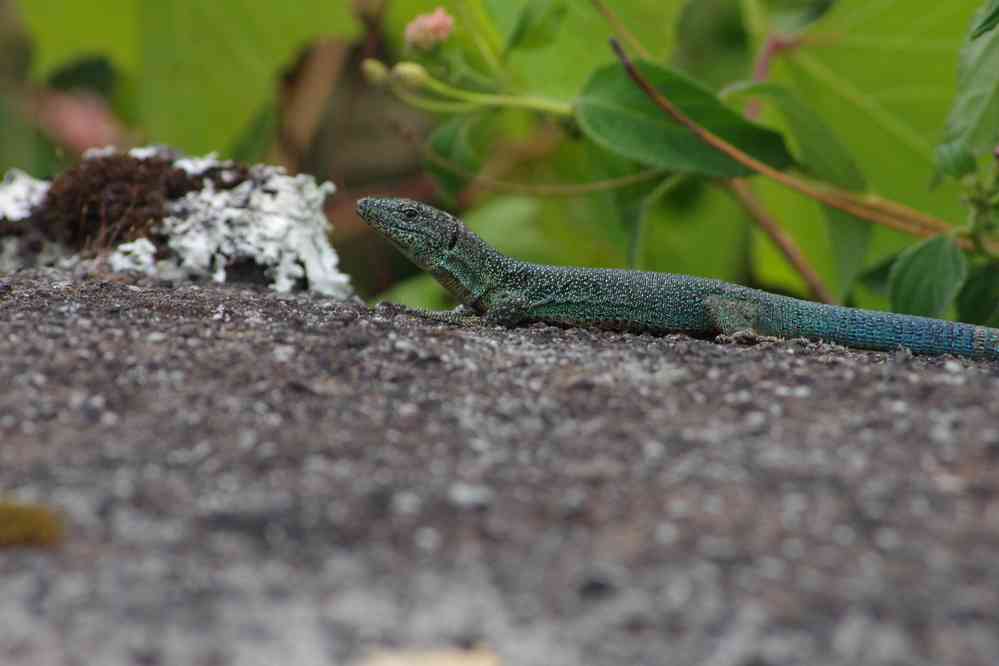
column 364, row 207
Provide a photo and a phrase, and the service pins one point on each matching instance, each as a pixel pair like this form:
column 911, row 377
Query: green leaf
column 17, row 143
column 421, row 291
column 66, row 31
column 978, row 302
column 252, row 145
column 927, row 277
column 973, row 124
column 987, row 20
column 614, row 113
column 452, row 141
column 203, row 69
column 879, row 73
column 793, row 15
column 827, row 158
column 712, row 44
column 877, row 278
column 954, row 160
column 822, row 153
column 92, row 73
column 635, row 212
column 622, row 210
column 537, row 25
column 24, row 147
column 509, row 223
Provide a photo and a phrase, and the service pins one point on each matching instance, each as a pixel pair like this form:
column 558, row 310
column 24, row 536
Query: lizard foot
column 460, row 316
column 744, row 337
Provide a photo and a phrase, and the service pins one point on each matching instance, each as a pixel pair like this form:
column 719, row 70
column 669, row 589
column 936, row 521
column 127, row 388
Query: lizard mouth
column 364, row 207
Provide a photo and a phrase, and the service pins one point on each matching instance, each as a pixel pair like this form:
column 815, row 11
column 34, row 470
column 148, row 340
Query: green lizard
column 506, row 291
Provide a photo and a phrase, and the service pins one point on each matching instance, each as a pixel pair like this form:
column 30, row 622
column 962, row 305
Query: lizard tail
column 869, row 329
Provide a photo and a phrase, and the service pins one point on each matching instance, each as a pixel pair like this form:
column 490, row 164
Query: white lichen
column 138, row 255
column 146, row 152
column 272, row 219
column 20, row 194
column 198, row 165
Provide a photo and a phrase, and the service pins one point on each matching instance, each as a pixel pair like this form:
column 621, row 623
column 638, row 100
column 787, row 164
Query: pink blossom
column 426, row 30
column 78, row 121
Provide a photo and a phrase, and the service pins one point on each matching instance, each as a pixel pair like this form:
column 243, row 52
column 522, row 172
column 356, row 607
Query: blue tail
column 870, row 329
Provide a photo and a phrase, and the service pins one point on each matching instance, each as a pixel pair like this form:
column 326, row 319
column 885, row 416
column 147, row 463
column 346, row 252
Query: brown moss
column 107, row 200
column 29, row 525
column 104, row 201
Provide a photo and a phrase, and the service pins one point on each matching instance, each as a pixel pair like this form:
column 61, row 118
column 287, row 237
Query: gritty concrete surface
column 250, row 478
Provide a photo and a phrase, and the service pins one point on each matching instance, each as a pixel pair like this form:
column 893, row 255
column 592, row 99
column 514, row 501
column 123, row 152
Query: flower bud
column 427, row 30
column 412, row 74
column 375, row 71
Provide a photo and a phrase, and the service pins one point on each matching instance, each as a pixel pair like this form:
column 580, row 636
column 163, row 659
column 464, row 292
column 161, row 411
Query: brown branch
column 774, row 46
column 889, row 214
column 739, row 189
column 303, row 99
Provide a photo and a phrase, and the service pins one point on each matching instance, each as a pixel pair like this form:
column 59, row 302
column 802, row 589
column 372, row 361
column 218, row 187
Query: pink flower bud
column 427, row 30
column 78, row 121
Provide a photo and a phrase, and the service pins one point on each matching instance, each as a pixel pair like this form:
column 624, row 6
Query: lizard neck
column 471, row 268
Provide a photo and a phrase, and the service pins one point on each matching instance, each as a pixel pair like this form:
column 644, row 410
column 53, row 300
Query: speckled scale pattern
column 511, row 292
column 617, row 299
column 662, row 302
column 868, row 329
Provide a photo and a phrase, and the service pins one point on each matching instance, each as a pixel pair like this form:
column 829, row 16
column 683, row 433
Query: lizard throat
column 454, row 285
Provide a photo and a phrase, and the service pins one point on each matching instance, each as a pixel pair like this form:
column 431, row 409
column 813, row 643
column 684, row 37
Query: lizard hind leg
column 732, row 315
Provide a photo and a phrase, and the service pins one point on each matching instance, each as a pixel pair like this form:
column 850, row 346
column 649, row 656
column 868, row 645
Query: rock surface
column 255, row 478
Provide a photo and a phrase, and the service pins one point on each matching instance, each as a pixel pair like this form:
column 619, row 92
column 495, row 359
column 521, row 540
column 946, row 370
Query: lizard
column 508, row 292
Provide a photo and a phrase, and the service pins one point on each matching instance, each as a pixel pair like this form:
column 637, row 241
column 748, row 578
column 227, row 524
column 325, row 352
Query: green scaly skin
column 509, row 292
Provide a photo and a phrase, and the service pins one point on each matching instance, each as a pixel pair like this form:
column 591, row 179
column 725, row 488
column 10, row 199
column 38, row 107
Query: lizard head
column 421, row 232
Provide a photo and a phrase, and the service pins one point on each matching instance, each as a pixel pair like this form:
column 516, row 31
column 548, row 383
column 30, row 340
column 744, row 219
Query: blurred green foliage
column 883, row 76
column 194, row 75
column 862, row 95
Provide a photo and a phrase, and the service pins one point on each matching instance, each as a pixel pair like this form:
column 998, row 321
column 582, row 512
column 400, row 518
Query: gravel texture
column 254, row 478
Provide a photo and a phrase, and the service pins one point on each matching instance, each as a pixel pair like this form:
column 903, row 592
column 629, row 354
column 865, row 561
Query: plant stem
column 620, row 29
column 874, row 209
column 429, row 104
column 785, row 244
column 635, row 238
column 409, row 76
column 554, row 107
column 482, row 32
column 544, row 190
column 755, row 19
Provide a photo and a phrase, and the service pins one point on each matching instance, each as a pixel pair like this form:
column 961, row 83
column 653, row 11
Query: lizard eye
column 410, row 213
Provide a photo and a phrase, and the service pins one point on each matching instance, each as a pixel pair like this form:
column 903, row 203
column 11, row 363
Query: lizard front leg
column 459, row 316
column 507, row 309
column 502, row 308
